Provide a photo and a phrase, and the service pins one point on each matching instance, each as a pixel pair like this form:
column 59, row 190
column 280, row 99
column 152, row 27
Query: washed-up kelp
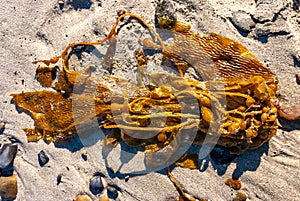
column 234, row 94
column 231, row 102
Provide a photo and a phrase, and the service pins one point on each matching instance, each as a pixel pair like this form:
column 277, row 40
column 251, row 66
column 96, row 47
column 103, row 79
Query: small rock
column 296, row 4
column 121, row 12
column 164, row 9
column 82, row 198
column 8, row 187
column 242, row 21
column 103, row 198
column 80, row 4
column 2, row 127
column 61, row 4
column 240, row 196
column 58, row 179
column 8, row 151
column 99, row 2
column 298, row 79
column 84, row 155
column 234, row 183
column 112, row 192
column 295, row 53
column 263, row 30
column 43, row 158
column 290, row 113
column 96, row 185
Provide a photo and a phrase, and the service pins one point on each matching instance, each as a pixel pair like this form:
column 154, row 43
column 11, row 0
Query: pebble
column 263, row 30
column 165, row 9
column 96, row 185
column 82, row 198
column 103, row 198
column 58, row 179
column 234, row 183
column 242, row 21
column 298, row 79
column 112, row 192
column 8, row 187
column 43, row 158
column 296, row 5
column 240, row 196
column 8, row 151
column 2, row 127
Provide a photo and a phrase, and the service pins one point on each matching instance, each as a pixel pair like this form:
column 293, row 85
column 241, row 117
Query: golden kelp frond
column 213, row 56
column 52, row 113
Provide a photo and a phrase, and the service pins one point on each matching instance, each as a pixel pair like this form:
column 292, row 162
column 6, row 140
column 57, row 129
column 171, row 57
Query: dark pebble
column 84, row 157
column 296, row 4
column 112, row 192
column 58, row 179
column 43, row 158
column 96, row 185
column 298, row 79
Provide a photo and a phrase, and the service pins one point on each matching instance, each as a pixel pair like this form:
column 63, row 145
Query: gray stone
column 8, row 151
column 165, row 9
column 263, row 30
column 242, row 21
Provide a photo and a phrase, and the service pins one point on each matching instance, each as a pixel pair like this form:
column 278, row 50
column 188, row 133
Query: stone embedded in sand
column 242, row 21
column 240, row 196
column 234, row 183
column 112, row 192
column 8, row 187
column 103, row 198
column 298, row 79
column 8, row 151
column 96, row 185
column 82, row 198
column 43, row 158
column 2, row 127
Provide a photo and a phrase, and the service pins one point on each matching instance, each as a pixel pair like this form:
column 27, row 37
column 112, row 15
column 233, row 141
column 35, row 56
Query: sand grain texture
column 35, row 29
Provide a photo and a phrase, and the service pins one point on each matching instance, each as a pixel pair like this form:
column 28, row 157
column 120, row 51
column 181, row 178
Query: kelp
column 248, row 87
column 234, row 95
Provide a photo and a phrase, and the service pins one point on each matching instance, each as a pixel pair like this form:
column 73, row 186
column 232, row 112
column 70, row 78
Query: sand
column 36, row 29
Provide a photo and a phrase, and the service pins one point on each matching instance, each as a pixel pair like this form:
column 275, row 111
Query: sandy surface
column 36, row 29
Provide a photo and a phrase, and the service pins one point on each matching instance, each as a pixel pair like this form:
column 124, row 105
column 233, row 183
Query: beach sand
column 35, row 29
